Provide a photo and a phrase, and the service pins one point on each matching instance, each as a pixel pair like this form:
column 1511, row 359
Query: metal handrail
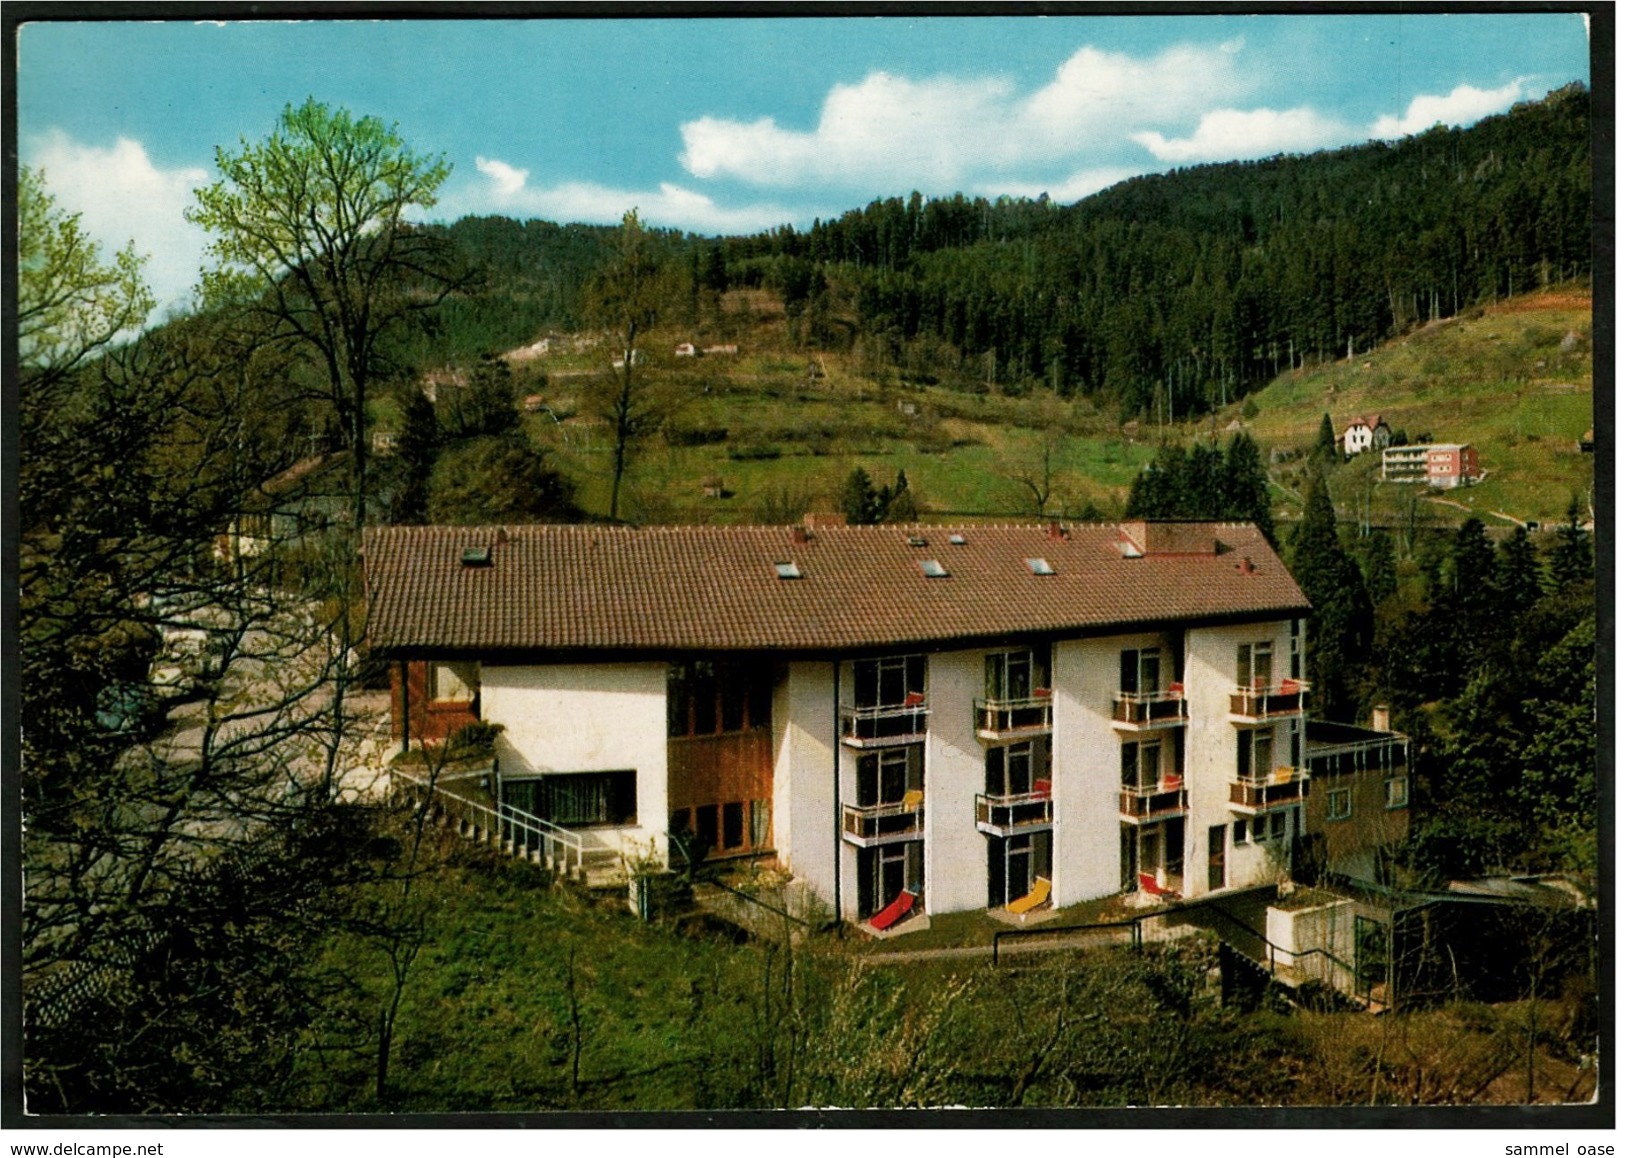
column 1137, row 940
column 1162, row 696
column 556, row 844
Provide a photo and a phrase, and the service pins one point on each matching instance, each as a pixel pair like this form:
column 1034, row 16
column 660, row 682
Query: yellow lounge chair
column 1032, row 900
column 913, row 799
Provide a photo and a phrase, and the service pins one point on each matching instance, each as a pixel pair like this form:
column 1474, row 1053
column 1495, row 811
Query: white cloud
column 941, row 134
column 508, row 179
column 1067, row 190
column 1234, row 134
column 122, row 196
column 1462, row 106
column 508, row 190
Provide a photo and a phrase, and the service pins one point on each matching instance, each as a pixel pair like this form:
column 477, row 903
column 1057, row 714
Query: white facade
column 1359, row 437
column 560, row 719
column 612, row 717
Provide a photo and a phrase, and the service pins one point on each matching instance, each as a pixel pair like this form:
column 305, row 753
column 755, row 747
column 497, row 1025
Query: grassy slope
column 1498, row 378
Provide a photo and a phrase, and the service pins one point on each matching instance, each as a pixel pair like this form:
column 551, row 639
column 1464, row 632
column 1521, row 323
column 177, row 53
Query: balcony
column 1152, row 803
column 884, row 726
column 1282, row 788
column 1145, row 711
column 867, row 825
column 1258, row 703
column 1008, row 815
column 1007, row 719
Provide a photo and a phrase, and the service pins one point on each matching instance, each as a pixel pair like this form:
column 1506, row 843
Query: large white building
column 973, row 716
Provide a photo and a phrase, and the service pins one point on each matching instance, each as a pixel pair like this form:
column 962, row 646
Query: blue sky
column 729, row 125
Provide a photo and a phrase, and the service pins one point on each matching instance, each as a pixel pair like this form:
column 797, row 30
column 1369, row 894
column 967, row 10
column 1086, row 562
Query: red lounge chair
column 1042, row 693
column 1290, row 687
column 1041, row 787
column 1176, row 689
column 893, row 912
column 1148, row 884
column 913, row 699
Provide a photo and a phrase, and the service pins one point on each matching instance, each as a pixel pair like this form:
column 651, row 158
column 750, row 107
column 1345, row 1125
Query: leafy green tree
column 415, row 452
column 1245, row 485
column 311, row 239
column 70, row 304
column 1517, row 573
column 1381, row 571
column 501, row 479
column 627, row 297
column 860, row 502
column 488, row 405
column 1570, row 561
column 1325, row 453
column 1341, row 623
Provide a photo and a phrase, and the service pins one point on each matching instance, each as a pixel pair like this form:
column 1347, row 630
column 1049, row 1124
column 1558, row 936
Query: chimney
column 799, row 535
column 1246, row 566
column 502, row 536
column 1379, row 718
column 1056, row 531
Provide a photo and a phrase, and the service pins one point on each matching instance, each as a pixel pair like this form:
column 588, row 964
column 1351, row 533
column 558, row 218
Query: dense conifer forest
column 1164, row 295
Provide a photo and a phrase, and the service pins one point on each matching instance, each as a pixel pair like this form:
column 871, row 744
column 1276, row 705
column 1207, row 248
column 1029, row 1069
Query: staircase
column 561, row 851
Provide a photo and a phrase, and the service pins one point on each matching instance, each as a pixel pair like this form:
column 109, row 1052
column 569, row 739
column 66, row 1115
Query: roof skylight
column 787, row 570
column 476, row 556
column 933, row 569
column 1040, row 567
column 957, row 539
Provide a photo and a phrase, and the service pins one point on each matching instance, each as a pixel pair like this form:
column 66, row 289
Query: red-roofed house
column 978, row 716
column 1367, row 432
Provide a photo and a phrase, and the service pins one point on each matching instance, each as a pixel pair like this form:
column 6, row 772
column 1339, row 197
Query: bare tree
column 628, row 297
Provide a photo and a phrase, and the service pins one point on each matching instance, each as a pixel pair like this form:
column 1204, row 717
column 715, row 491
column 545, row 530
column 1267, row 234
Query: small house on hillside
column 685, row 350
column 1366, row 432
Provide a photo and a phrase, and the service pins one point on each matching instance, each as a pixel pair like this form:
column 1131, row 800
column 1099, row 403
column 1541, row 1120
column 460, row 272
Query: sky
column 734, row 125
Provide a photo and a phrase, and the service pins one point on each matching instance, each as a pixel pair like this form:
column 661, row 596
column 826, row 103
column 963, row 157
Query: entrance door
column 1216, row 837
column 885, row 871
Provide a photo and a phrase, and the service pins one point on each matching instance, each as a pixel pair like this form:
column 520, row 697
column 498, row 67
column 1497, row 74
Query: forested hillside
column 1165, row 295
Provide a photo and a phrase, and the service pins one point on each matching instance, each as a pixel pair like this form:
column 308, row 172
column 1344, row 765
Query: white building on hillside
column 930, row 719
column 1367, row 432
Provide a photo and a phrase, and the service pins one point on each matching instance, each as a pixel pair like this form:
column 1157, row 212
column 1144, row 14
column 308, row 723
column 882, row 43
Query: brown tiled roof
column 554, row 587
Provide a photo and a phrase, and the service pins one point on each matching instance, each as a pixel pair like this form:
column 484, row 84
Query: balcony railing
column 1281, row 788
column 1249, row 705
column 999, row 719
column 1160, row 801
column 1007, row 815
column 869, row 824
column 1137, row 711
column 879, row 727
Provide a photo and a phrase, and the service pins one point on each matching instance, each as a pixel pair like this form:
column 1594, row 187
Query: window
column 1012, row 771
column 889, row 682
column 1140, row 670
column 884, row 776
column 787, row 570
column 1016, row 675
column 584, row 799
column 733, row 825
column 453, row 682
column 1238, row 833
column 1339, row 804
column 1255, row 664
column 761, row 819
column 933, row 569
column 1255, row 753
column 1277, row 826
column 1398, row 791
column 706, row 697
column 1297, row 649
column 1040, row 567
column 1260, row 829
column 1142, row 765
